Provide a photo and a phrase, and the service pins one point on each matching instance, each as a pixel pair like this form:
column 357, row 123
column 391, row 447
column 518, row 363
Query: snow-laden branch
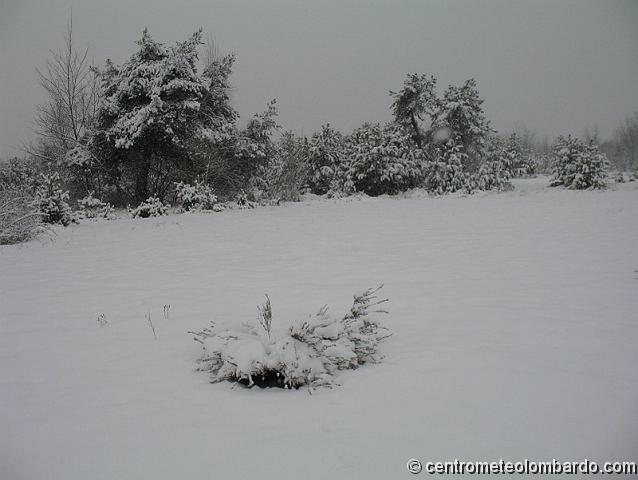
column 310, row 353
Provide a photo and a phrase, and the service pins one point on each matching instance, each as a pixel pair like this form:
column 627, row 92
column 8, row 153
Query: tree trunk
column 417, row 133
column 141, row 178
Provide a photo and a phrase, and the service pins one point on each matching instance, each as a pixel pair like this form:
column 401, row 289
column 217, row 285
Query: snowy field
column 515, row 321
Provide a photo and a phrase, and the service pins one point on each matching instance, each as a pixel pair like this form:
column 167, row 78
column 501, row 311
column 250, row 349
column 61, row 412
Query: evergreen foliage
column 52, row 201
column 579, row 166
column 381, row 160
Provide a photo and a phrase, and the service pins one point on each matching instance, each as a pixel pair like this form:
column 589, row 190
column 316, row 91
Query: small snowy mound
column 309, row 353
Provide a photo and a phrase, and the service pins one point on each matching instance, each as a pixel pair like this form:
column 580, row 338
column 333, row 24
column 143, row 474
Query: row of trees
column 135, row 130
column 162, row 124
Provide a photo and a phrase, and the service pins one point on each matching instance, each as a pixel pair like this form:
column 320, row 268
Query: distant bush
column 195, row 197
column 19, row 221
column 325, row 157
column 243, row 201
column 310, row 353
column 492, row 175
column 380, row 160
column 286, row 176
column 51, row 201
column 579, row 166
column 444, row 173
column 152, row 207
column 527, row 166
column 496, row 168
column 91, row 207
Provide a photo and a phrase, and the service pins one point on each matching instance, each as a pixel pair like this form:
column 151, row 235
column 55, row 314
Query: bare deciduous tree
column 211, row 52
column 71, row 84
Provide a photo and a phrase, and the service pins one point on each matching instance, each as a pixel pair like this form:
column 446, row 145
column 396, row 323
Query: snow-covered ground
column 515, row 321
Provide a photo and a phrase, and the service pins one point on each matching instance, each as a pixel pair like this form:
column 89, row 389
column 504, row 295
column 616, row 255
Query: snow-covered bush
column 325, row 155
column 527, row 166
column 380, row 159
column 19, row 173
column 195, row 197
column 285, row 177
column 495, row 169
column 619, row 177
column 309, row 353
column 152, row 207
column 518, row 159
column 493, row 174
column 243, row 201
column 51, row 201
column 444, row 173
column 91, row 207
column 579, row 166
column 19, row 221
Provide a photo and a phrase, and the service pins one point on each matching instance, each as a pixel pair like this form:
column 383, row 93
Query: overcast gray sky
column 555, row 66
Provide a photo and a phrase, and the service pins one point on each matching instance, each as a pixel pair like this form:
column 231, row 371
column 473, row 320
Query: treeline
column 161, row 128
column 133, row 131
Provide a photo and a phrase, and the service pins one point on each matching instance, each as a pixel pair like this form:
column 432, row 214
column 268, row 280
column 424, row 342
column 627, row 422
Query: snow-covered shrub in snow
column 380, row 159
column 527, row 166
column 619, row 177
column 285, row 177
column 444, row 173
column 91, row 207
column 242, row 201
column 195, row 197
column 310, row 352
column 19, row 221
column 152, row 207
column 325, row 155
column 579, row 166
column 496, row 167
column 51, row 201
column 19, row 173
column 493, row 174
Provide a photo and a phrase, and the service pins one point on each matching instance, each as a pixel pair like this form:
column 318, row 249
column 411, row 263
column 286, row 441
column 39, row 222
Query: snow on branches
column 579, row 166
column 310, row 352
column 157, row 88
column 151, row 207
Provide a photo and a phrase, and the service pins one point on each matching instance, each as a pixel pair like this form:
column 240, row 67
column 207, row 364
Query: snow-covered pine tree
column 519, row 157
column 413, row 103
column 579, row 166
column 512, row 154
column 325, row 158
column 51, row 201
column 380, row 159
column 151, row 107
column 460, row 110
column 495, row 169
column 93, row 207
column 284, row 178
column 444, row 172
